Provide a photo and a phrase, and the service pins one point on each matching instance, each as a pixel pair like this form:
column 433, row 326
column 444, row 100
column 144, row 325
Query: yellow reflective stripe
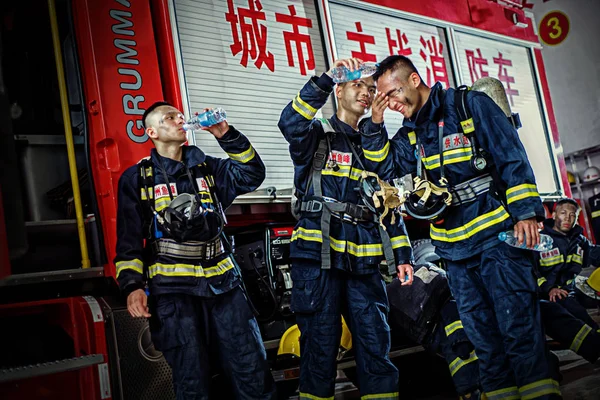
column 393, row 395
column 548, row 262
column 303, row 108
column 541, row 281
column 400, row 241
column 468, row 125
column 596, row 214
column 521, row 192
column 150, row 190
column 511, row 393
column 458, row 363
column 453, row 327
column 378, row 155
column 450, row 157
column 162, row 203
column 344, row 172
column 580, row 337
column 474, row 226
column 412, row 137
column 135, row 265
column 312, row 397
column 357, row 250
column 539, row 388
column 190, row 270
column 243, row 157
column 576, row 258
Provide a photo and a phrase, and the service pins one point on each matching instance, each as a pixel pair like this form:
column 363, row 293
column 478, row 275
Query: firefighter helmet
column 570, row 177
column 590, row 174
column 290, row 341
column 185, row 219
column 594, row 280
column 427, row 201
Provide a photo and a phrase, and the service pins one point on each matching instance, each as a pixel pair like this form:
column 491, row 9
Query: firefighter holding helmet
column 174, row 201
column 473, row 181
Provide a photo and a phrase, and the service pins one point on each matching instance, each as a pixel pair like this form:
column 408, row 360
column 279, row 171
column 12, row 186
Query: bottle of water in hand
column 509, row 238
column 342, row 74
column 208, row 118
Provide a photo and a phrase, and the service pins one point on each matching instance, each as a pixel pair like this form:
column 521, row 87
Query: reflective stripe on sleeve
column 135, row 265
column 521, row 192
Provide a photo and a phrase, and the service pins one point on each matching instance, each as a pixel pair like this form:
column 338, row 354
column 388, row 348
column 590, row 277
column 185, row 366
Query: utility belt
column 345, row 212
column 203, row 251
column 468, row 191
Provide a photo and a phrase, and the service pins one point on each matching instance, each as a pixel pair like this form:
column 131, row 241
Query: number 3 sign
column 554, row 28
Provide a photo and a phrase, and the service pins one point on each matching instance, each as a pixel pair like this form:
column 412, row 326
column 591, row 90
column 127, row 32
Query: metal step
column 52, row 367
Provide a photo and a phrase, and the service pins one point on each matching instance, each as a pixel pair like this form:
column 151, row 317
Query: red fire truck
column 76, row 76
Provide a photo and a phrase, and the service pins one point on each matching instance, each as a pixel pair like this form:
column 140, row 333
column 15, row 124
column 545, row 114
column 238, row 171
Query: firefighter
column 480, row 185
column 173, row 202
column 337, row 245
column 557, row 269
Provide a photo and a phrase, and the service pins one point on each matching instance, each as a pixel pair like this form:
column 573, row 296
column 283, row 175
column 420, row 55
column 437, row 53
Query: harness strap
column 468, row 191
column 191, row 249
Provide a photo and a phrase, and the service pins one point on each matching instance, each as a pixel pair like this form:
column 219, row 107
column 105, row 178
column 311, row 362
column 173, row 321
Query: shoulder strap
column 146, row 184
column 210, row 181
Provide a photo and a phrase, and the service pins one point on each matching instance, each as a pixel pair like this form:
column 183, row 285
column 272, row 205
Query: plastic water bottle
column 509, row 238
column 343, row 74
column 208, row 118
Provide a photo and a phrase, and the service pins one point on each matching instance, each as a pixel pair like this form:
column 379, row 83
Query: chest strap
column 468, row 191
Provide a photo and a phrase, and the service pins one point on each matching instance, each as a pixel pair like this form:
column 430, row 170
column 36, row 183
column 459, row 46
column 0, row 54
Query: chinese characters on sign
column 249, row 35
column 476, row 63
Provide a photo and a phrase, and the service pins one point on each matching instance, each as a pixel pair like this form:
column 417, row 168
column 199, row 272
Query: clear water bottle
column 509, row 238
column 343, row 74
column 208, row 118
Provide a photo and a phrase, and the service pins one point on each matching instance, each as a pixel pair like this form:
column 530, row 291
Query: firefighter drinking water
column 338, row 242
column 173, row 202
column 473, row 182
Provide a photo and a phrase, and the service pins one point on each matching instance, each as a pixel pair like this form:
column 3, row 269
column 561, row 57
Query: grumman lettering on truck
column 131, row 103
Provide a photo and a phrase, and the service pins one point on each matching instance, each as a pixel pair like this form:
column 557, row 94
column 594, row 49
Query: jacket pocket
column 307, row 290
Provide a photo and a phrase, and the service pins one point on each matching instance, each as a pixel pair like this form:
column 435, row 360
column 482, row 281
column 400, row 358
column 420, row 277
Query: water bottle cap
column 502, row 236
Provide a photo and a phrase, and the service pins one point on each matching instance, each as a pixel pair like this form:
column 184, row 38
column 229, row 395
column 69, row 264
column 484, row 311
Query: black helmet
column 185, row 219
column 369, row 186
column 427, row 201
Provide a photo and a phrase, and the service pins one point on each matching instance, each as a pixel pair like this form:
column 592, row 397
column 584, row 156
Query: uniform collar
column 347, row 129
column 431, row 110
column 191, row 157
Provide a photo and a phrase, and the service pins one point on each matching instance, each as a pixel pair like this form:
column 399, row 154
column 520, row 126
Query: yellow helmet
column 290, row 341
column 570, row 177
column 594, row 280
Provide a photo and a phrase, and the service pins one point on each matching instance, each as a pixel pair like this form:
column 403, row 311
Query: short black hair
column 566, row 200
column 393, row 63
column 153, row 107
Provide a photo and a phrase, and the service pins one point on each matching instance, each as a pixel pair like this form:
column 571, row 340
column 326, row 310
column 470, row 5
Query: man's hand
column 557, row 294
column 380, row 103
column 527, row 229
column 137, row 304
column 405, row 270
column 218, row 130
column 351, row 63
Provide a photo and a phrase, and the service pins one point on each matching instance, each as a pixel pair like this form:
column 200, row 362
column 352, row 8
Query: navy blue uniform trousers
column 496, row 296
column 319, row 297
column 569, row 323
column 192, row 331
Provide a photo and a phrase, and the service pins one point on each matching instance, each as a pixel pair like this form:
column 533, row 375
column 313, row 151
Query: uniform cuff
column 231, row 136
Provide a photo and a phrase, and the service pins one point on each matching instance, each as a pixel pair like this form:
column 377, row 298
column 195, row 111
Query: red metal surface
column 168, row 63
column 4, row 258
column 74, row 316
column 553, row 125
column 118, row 83
column 493, row 17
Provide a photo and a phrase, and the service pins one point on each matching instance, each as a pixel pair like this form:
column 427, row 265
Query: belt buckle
column 311, row 203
